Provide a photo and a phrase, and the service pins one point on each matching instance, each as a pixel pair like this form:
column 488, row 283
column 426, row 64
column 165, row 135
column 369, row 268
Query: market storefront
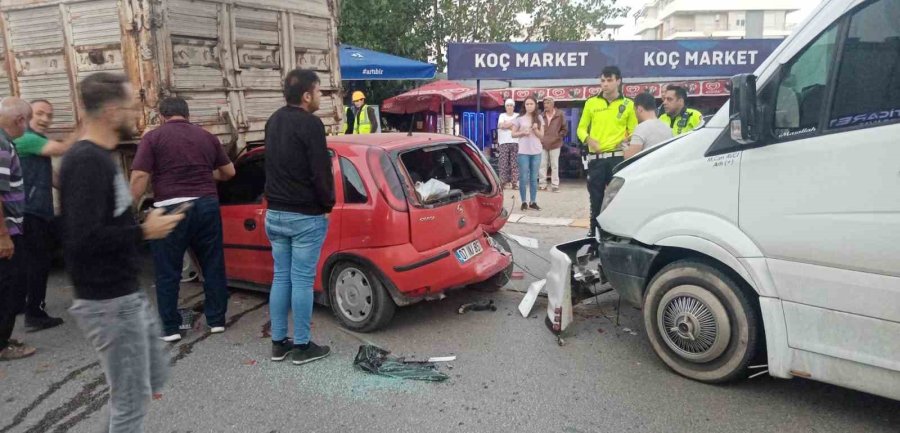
column 701, row 66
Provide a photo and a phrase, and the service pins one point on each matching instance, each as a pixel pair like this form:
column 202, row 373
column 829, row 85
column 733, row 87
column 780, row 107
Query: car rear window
column 447, row 163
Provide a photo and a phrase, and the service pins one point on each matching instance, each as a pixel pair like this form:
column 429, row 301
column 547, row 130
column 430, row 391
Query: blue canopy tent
column 361, row 64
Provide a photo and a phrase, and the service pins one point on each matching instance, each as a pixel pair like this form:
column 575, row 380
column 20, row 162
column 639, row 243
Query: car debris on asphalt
column 379, row 361
column 531, row 296
column 477, row 306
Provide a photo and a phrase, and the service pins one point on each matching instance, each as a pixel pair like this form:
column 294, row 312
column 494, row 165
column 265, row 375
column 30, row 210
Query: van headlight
column 611, row 190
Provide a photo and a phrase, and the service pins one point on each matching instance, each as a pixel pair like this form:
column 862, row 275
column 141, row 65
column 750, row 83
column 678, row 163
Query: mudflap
column 575, row 274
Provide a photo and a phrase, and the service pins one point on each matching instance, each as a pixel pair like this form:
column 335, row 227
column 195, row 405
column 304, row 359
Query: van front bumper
column 626, row 266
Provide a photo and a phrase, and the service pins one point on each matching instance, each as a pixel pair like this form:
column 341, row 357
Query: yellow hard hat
column 358, row 96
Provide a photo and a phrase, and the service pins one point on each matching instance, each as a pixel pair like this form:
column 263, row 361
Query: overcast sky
column 627, row 31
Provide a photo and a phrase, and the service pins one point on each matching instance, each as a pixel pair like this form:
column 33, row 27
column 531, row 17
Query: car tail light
column 387, row 179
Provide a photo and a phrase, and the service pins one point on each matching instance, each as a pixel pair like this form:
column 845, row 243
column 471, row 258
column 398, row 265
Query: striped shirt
column 12, row 190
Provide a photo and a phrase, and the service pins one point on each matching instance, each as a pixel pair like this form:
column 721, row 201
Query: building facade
column 722, row 19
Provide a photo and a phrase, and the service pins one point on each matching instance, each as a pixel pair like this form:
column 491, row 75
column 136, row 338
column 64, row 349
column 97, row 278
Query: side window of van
column 868, row 75
column 802, row 91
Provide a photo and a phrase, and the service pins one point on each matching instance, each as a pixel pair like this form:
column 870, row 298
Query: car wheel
column 499, row 280
column 358, row 298
column 189, row 269
column 700, row 322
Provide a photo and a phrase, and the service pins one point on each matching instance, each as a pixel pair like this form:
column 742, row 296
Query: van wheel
column 700, row 322
column 499, row 280
column 358, row 298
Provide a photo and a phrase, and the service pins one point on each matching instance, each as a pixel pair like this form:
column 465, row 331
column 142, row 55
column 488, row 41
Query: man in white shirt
column 650, row 130
column 509, row 146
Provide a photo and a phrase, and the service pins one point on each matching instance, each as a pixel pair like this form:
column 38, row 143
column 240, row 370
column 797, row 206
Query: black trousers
column 599, row 174
column 38, row 243
column 11, row 293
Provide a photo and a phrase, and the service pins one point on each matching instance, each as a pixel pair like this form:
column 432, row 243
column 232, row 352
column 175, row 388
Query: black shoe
column 590, row 234
column 34, row 324
column 281, row 349
column 534, row 206
column 524, row 206
column 311, row 353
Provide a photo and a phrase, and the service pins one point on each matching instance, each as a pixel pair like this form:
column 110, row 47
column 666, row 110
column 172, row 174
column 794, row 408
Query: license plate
column 468, row 251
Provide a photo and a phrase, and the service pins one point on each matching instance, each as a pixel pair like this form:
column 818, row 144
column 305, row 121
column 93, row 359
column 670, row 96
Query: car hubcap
column 353, row 294
column 694, row 323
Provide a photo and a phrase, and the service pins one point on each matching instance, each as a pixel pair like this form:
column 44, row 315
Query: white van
column 770, row 237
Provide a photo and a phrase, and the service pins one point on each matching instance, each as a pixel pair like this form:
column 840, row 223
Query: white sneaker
column 217, row 330
column 171, row 338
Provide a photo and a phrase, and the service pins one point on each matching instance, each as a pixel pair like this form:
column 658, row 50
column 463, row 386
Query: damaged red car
column 387, row 245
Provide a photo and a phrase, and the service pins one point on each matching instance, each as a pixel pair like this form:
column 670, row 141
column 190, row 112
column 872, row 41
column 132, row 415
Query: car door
column 332, row 242
column 248, row 255
column 355, row 206
column 822, row 197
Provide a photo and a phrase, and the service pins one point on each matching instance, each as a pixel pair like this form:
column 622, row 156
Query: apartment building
column 720, row 19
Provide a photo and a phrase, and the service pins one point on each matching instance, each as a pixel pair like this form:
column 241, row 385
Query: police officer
column 361, row 118
column 607, row 121
column 680, row 118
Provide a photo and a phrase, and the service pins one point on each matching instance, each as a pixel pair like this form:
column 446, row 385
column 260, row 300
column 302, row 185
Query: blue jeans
column 201, row 230
column 529, row 165
column 296, row 245
column 125, row 334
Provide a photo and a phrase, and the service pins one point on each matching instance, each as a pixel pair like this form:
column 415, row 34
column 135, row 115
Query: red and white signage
column 581, row 93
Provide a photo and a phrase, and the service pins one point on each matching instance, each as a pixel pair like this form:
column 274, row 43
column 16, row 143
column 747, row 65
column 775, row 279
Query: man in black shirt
column 101, row 240
column 300, row 193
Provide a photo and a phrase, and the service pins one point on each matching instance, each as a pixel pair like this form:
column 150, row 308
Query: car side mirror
column 743, row 116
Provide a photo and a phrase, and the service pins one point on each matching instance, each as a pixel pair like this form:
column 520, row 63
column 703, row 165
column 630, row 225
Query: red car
column 385, row 246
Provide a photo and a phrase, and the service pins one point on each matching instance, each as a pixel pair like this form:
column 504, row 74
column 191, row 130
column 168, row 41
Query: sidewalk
column 569, row 207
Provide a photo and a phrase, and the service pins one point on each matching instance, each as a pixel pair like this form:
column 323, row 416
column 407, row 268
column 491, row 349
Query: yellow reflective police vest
column 684, row 122
column 607, row 122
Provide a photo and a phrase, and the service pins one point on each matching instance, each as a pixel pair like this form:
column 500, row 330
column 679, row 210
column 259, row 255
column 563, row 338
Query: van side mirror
column 743, row 117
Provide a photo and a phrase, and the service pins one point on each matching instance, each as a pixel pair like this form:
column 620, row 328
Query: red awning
column 430, row 96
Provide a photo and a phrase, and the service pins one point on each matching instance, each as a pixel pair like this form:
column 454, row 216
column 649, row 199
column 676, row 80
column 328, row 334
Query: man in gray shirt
column 650, row 130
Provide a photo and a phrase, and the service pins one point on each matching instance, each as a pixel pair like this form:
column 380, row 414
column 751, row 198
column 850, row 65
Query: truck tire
column 700, row 323
column 499, row 280
column 358, row 298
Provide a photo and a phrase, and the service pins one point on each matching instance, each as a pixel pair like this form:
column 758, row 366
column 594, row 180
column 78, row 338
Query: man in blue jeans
column 184, row 162
column 300, row 193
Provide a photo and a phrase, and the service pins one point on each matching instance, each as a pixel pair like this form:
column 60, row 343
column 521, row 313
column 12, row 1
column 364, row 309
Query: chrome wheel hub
column 694, row 323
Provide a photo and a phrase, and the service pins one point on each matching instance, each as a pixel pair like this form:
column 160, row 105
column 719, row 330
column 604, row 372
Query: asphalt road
column 510, row 376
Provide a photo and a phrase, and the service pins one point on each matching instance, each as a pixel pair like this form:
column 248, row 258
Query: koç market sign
column 636, row 59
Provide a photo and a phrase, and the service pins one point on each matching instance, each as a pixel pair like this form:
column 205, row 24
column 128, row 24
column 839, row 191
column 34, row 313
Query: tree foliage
column 421, row 29
column 385, row 25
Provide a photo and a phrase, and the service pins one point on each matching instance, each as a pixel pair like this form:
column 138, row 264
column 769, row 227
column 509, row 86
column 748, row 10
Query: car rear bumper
column 415, row 275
